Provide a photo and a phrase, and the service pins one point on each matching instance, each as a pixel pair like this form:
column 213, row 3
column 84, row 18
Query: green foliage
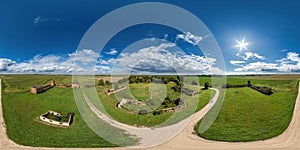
column 101, row 82
column 158, row 112
column 206, row 85
column 263, row 89
column 132, row 79
column 107, row 82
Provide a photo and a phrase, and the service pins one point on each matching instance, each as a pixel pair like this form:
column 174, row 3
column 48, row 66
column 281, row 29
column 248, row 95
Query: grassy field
column 140, row 91
column 22, row 83
column 150, row 120
column 22, row 109
column 247, row 115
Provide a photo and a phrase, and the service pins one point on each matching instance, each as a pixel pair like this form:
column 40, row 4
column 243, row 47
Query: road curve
column 289, row 139
column 153, row 136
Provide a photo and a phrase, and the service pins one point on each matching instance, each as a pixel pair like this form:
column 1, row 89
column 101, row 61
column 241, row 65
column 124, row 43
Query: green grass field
column 149, row 120
column 21, row 111
column 247, row 115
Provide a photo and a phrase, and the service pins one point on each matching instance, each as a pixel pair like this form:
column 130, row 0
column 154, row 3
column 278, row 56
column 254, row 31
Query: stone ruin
column 40, row 89
column 55, row 122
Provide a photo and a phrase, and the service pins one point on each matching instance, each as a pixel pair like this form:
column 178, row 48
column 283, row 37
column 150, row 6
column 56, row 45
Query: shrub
column 263, row 89
column 101, row 82
column 206, row 85
column 176, row 88
column 158, row 112
column 234, row 86
column 107, row 82
column 179, row 101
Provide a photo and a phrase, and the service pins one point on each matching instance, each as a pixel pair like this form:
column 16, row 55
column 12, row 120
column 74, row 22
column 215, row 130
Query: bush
column 176, row 88
column 263, row 89
column 107, row 82
column 234, row 86
column 158, row 112
column 179, row 101
column 101, row 82
column 206, row 85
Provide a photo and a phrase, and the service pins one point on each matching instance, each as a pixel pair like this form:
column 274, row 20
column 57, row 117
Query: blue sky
column 43, row 36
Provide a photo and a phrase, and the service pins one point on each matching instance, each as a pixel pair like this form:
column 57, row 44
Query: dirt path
column 186, row 140
column 153, row 136
column 290, row 139
column 4, row 142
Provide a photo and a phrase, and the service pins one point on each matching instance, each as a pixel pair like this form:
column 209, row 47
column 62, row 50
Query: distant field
column 248, row 115
column 23, row 83
column 21, row 111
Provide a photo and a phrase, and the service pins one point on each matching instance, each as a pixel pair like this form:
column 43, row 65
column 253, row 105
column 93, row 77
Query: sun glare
column 242, row 44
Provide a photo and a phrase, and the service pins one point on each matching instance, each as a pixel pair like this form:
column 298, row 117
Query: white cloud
column 250, row 55
column 291, row 63
column 283, row 50
column 5, row 63
column 293, row 56
column 190, row 38
column 81, row 60
column 37, row 20
column 236, row 62
column 159, row 59
column 165, row 36
column 113, row 51
column 258, row 67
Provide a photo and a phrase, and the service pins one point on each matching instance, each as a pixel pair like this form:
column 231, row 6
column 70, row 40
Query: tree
column 249, row 83
column 101, row 82
column 206, row 85
column 107, row 82
column 132, row 79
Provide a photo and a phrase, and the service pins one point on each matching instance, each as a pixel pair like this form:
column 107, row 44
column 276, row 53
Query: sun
column 242, row 44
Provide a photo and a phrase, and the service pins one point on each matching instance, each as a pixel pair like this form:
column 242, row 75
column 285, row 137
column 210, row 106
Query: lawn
column 248, row 115
column 194, row 103
column 21, row 111
column 140, row 91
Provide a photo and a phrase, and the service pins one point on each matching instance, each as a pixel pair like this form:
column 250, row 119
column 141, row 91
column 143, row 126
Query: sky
column 254, row 37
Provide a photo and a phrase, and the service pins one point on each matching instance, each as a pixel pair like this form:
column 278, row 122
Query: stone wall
column 43, row 118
